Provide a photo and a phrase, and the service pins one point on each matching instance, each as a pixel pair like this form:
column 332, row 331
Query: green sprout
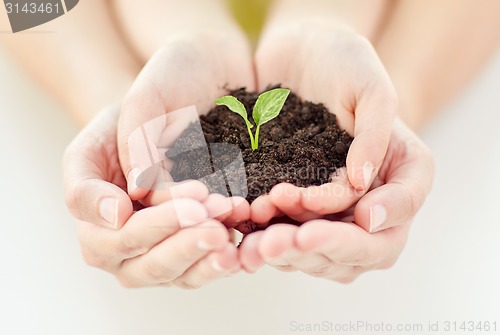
column 267, row 107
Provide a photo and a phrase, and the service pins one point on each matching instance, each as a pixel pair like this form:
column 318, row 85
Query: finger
column 230, row 211
column 288, row 199
column 317, row 265
column 136, row 146
column 218, row 206
column 217, row 264
column 262, row 210
column 374, row 116
column 142, row 232
column 333, row 197
column 98, row 202
column 89, row 194
column 404, row 193
column 143, row 137
column 249, row 255
column 171, row 258
column 348, row 244
column 240, row 212
column 164, row 191
column 308, row 262
column 276, row 240
column 152, row 225
column 106, row 249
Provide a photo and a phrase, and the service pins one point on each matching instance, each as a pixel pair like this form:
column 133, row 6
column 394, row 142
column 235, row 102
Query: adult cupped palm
column 360, row 220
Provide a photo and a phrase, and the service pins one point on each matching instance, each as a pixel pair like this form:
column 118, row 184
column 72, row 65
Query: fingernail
column 189, row 212
column 378, row 216
column 132, row 178
column 217, row 267
column 205, row 246
column 252, row 269
column 367, row 174
column 108, row 208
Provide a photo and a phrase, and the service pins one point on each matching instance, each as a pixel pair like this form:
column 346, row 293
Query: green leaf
column 269, row 105
column 235, row 106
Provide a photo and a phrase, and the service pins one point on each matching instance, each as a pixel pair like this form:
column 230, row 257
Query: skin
column 426, row 72
column 386, row 211
column 331, row 247
column 98, row 163
column 136, row 256
column 354, row 84
column 68, row 50
column 198, row 250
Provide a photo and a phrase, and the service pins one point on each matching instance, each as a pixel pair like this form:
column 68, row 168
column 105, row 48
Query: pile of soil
column 303, row 146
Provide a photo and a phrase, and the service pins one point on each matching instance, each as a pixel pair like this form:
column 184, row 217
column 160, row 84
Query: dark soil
column 303, row 146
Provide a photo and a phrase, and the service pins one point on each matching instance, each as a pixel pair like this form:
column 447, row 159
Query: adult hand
column 341, row 69
column 190, row 69
column 341, row 247
column 173, row 243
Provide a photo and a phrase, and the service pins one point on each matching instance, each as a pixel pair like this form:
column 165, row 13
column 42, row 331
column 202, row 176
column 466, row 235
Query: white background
column 449, row 270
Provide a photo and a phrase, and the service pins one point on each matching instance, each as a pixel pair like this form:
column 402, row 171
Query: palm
column 331, row 246
column 343, row 72
column 179, row 75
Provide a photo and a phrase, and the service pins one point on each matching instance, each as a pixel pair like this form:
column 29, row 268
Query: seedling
column 267, row 107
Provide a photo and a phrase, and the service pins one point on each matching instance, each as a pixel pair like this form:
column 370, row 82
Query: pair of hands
column 173, row 241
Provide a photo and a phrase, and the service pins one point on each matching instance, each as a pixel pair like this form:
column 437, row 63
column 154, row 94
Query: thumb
column 374, row 116
column 144, row 137
column 88, row 194
column 137, row 137
column 408, row 181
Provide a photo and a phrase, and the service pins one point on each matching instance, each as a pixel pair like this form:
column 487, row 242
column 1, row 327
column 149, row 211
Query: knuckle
column 358, row 258
column 90, row 259
column 184, row 284
column 345, row 279
column 413, row 204
column 158, row 273
column 186, row 254
column 388, row 263
column 319, row 272
column 126, row 282
column 129, row 245
column 189, row 252
column 72, row 194
column 286, row 268
column 349, row 275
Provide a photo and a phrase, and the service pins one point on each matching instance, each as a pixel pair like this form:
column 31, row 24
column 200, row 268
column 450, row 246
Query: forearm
column 432, row 49
column 82, row 61
column 168, row 19
column 361, row 16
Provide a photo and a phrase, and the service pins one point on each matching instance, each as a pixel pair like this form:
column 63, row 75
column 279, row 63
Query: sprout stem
column 255, row 144
column 252, row 139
